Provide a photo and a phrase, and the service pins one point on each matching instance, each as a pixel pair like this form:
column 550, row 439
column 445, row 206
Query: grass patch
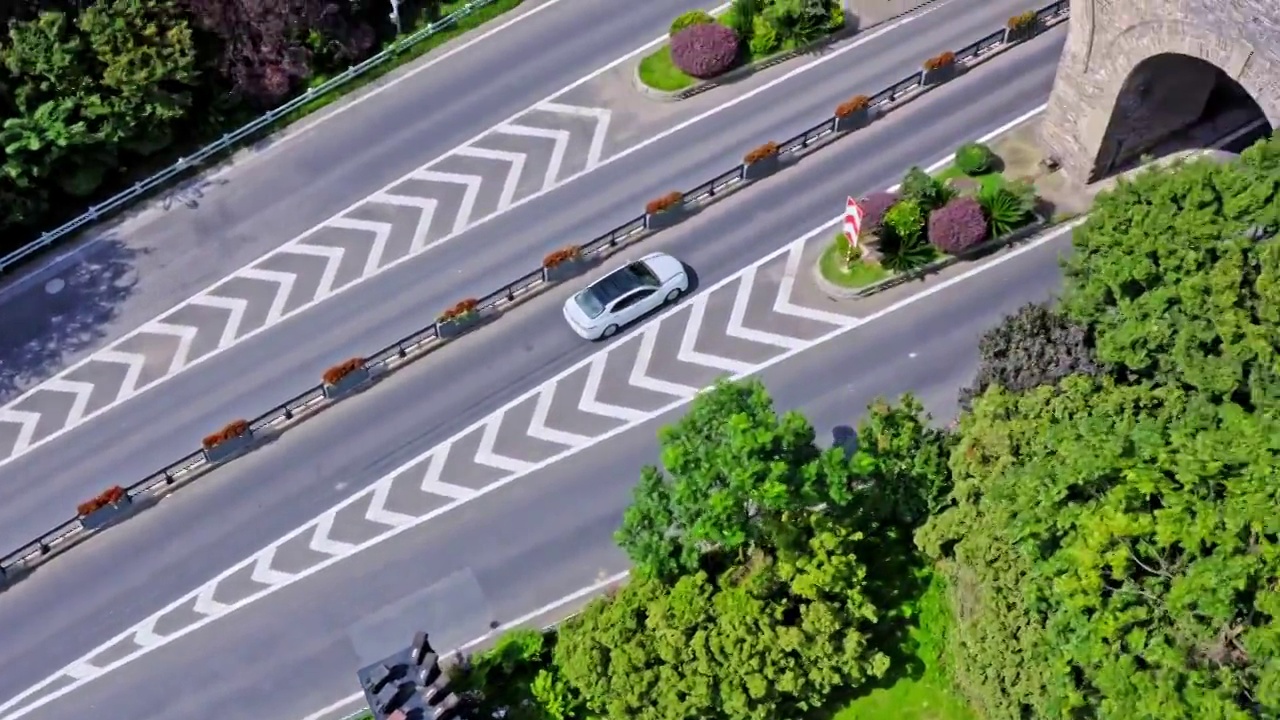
column 926, row 698
column 833, row 267
column 659, row 72
column 408, row 55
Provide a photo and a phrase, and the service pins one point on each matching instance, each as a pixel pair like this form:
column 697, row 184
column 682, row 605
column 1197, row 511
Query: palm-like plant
column 1006, row 207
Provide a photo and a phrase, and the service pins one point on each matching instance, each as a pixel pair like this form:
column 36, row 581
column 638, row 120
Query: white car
column 626, row 295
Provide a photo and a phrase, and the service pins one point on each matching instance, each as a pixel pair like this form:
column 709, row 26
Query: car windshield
column 597, row 297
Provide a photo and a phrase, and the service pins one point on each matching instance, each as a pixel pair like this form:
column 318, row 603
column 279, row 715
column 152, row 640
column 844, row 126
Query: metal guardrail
column 15, row 564
column 233, row 138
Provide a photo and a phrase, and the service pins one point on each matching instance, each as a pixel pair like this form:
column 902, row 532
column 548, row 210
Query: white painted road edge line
column 84, row 672
column 147, row 326
column 350, row 700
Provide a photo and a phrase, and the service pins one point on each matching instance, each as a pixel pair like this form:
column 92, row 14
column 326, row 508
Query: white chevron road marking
column 515, row 159
column 81, row 391
column 322, row 543
column 146, row 634
column 485, row 454
column 470, row 182
column 133, row 361
column 235, row 308
column 205, row 603
column 687, row 352
column 590, row 404
column 737, row 319
column 538, row 425
column 561, row 138
column 427, row 206
column 639, row 372
column 264, row 574
column 333, row 261
column 381, row 234
column 375, row 496
column 26, row 425
column 431, row 482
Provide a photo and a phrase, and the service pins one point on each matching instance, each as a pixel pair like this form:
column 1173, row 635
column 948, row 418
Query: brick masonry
column 1135, row 57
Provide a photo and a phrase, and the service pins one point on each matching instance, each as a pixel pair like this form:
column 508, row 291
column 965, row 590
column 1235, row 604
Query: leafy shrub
column 689, row 19
column 233, row 430
column 764, row 37
column 334, row 375
column 899, row 255
column 741, row 16
column 1005, row 208
column 905, row 220
column 874, row 207
column 799, row 22
column 563, row 255
column 110, row 496
column 958, row 225
column 704, row 51
column 1022, row 21
column 460, row 311
column 854, row 104
column 924, row 189
column 942, row 60
column 838, row 18
column 763, row 152
column 974, row 158
column 664, row 203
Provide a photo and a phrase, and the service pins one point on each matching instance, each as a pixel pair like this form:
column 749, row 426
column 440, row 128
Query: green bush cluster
column 770, row 26
column 693, row 17
column 97, row 93
column 974, row 158
column 1104, row 503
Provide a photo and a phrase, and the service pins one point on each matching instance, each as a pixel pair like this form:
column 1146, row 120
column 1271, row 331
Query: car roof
column 619, row 283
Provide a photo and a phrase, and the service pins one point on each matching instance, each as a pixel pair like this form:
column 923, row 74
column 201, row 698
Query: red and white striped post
column 852, row 225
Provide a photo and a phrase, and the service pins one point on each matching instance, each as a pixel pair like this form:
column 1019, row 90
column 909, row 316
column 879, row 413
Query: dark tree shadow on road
column 42, row 330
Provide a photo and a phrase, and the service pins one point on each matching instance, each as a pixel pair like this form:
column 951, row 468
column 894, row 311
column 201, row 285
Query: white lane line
column 277, row 314
column 380, row 489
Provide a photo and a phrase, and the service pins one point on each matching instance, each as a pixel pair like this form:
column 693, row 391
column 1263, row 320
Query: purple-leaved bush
column 958, row 225
column 874, row 206
column 704, row 51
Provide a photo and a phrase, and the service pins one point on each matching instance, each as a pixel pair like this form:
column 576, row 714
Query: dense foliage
column 874, row 207
column 958, row 225
column 1096, row 537
column 95, row 92
column 974, row 158
column 704, row 50
column 686, row 19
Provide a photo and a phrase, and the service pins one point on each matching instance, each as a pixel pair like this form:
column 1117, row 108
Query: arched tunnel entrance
column 1172, row 102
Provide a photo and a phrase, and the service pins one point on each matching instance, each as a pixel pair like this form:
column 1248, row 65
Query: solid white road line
column 277, row 313
column 399, row 523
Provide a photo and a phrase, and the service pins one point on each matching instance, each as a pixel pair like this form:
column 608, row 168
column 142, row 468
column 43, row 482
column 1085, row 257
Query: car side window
column 632, row 299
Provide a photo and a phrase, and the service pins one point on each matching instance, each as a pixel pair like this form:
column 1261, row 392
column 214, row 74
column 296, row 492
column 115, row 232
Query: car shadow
column 845, row 438
column 46, row 323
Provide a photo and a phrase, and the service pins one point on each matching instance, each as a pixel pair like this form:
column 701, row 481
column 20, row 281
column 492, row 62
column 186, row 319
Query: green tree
column 906, row 460
column 1113, row 551
column 773, row 637
column 516, row 679
column 1178, row 275
column 736, row 475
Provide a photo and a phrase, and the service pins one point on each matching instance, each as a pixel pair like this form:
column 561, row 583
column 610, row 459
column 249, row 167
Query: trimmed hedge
column 664, row 203
column 461, row 309
column 561, row 256
column 110, row 496
column 958, row 225
column 334, row 375
column 705, row 51
column 974, row 158
column 231, row 431
column 763, row 152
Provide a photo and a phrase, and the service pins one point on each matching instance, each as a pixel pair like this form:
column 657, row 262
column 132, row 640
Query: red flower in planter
column 232, row 430
column 464, row 307
column 852, row 105
column 664, row 203
column 940, row 61
column 763, row 152
column 110, row 496
column 563, row 255
column 334, row 375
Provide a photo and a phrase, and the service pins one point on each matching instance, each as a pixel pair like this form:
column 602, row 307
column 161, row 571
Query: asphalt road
column 127, row 272
column 534, row 540
column 150, row 430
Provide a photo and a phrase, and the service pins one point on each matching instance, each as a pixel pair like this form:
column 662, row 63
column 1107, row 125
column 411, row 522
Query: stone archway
column 1125, row 82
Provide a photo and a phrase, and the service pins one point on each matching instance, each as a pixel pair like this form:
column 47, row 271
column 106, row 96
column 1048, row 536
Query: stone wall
column 1110, row 39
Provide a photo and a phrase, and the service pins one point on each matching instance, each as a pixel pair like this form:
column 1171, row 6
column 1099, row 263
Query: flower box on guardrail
column 664, row 211
column 1020, row 27
column 105, row 509
column 345, row 377
column 563, row 264
column 853, row 113
column 228, row 442
column 458, row 319
column 760, row 161
column 940, row 68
